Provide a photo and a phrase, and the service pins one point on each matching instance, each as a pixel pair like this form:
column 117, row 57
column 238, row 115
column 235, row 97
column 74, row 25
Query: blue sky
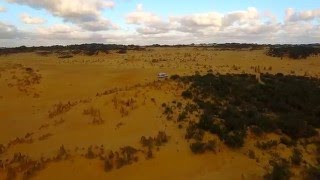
column 165, row 21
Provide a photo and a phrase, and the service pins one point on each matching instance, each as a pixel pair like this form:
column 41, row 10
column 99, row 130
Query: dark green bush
column 287, row 141
column 235, row 139
column 182, row 116
column 108, row 166
column 187, row 94
column 90, row 154
column 296, row 157
column 198, row 147
column 283, row 102
column 193, row 132
column 312, row 173
column 251, row 154
column 146, row 142
column 293, row 125
column 161, row 138
column 256, row 130
column 230, row 104
column 293, row 51
column 211, row 145
column 280, row 170
column 267, row 144
column 175, row 77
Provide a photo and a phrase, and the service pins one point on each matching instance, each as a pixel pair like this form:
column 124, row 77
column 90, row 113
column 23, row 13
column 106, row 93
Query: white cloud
column 85, row 23
column 8, row 31
column 85, row 13
column 240, row 17
column 27, row 19
column 239, row 26
column 292, row 15
column 198, row 24
column 139, row 16
column 201, row 19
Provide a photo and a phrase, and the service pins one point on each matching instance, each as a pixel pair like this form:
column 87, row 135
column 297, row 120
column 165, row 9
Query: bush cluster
column 282, row 102
column 293, row 51
column 280, row 170
column 199, row 147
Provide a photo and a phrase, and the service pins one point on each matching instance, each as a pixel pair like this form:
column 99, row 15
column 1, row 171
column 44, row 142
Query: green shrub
column 312, row 173
column 2, row 148
column 182, row 116
column 149, row 153
column 187, row 94
column 193, row 132
column 108, row 166
column 198, row 147
column 175, row 77
column 283, row 102
column 267, row 144
column 251, row 154
column 161, row 138
column 294, row 126
column 235, row 139
column 211, row 145
column 280, row 170
column 179, row 105
column 256, row 131
column 90, row 154
column 146, row 142
column 287, row 141
column 296, row 157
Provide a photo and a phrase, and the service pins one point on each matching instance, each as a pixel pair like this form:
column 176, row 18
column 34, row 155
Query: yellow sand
column 79, row 79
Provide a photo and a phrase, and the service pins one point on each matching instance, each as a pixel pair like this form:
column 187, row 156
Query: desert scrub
column 265, row 145
column 193, row 132
column 61, row 108
column 95, row 115
column 108, row 166
column 2, row 148
column 287, row 141
column 280, row 170
column 182, row 116
column 149, row 143
column 161, row 138
column 312, row 173
column 127, row 155
column 199, row 147
column 251, row 154
column 90, row 154
column 296, row 157
column 158, row 140
column 62, row 153
column 289, row 104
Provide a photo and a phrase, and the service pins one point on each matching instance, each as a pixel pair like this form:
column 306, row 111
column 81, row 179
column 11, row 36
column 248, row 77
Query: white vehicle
column 162, row 75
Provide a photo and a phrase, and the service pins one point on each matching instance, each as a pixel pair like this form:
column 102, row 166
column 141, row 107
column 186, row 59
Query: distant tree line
column 65, row 51
column 290, row 51
column 294, row 51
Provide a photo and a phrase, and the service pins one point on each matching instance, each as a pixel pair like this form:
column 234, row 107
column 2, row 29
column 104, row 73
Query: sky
column 144, row 22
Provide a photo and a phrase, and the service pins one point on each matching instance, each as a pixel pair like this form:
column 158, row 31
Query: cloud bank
column 83, row 21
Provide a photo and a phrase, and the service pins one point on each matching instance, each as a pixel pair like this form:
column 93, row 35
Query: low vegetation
column 95, row 115
column 280, row 170
column 294, row 51
column 230, row 104
column 70, row 50
column 199, row 147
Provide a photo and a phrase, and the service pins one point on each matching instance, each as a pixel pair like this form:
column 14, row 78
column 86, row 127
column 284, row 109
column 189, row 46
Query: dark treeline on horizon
column 293, row 51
